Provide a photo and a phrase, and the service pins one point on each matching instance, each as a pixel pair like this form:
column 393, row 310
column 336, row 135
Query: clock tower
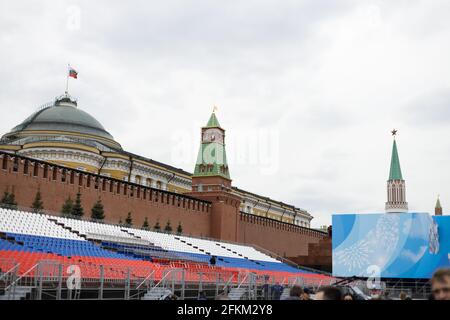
column 211, row 181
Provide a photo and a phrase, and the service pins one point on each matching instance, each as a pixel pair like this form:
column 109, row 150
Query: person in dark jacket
column 277, row 291
column 202, row 296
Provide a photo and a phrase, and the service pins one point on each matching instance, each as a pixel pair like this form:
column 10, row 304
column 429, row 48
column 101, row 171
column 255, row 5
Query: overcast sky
column 308, row 91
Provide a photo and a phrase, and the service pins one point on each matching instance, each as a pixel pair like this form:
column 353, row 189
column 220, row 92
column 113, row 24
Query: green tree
column 9, row 199
column 77, row 208
column 168, row 227
column 97, row 212
column 67, row 206
column 5, row 198
column 179, row 228
column 157, row 227
column 145, row 225
column 129, row 220
column 37, row 204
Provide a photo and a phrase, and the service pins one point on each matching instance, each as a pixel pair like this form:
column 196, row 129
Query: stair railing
column 10, row 272
column 16, row 281
column 146, row 279
column 164, row 278
column 243, row 280
column 225, row 287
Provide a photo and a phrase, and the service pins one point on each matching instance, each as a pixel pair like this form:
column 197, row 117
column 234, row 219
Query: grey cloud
column 147, row 68
column 430, row 109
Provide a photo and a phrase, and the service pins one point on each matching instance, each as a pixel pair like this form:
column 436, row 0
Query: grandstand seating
column 32, row 237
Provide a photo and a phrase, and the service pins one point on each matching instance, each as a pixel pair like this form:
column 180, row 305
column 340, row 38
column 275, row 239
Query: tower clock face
column 213, row 135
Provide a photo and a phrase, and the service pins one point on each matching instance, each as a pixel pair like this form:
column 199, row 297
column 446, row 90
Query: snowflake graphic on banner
column 354, row 257
column 374, row 249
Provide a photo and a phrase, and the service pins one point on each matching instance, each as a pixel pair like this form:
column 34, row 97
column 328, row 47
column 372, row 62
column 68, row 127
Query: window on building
column 36, row 169
column 54, row 173
column 158, row 184
column 16, row 164
column 149, row 182
column 25, row 167
column 45, row 171
column 4, row 162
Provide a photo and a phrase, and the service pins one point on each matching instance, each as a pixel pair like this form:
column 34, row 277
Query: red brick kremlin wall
column 285, row 239
column 56, row 183
column 25, row 177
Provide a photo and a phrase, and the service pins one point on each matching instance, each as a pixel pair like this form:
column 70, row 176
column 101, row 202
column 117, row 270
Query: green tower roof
column 395, row 172
column 213, row 122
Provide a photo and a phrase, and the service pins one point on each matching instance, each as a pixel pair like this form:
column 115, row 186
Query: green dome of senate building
column 62, row 117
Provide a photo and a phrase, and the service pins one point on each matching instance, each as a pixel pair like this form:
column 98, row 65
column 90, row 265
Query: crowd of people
column 440, row 290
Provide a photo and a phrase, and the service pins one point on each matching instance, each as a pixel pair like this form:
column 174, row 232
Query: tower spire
column 213, row 122
column 438, row 208
column 395, row 172
column 396, row 189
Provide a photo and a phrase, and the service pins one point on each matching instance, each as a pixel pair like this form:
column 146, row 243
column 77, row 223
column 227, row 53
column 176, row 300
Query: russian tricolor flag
column 73, row 73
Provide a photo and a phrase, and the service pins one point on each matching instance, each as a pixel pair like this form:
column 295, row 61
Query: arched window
column 149, row 182
column 36, row 169
column 16, row 164
column 138, row 179
column 158, row 184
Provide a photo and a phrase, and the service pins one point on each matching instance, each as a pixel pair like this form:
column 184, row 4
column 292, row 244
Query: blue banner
column 390, row 245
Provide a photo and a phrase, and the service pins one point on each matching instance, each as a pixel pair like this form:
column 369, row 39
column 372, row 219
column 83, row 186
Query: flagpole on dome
column 67, row 79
